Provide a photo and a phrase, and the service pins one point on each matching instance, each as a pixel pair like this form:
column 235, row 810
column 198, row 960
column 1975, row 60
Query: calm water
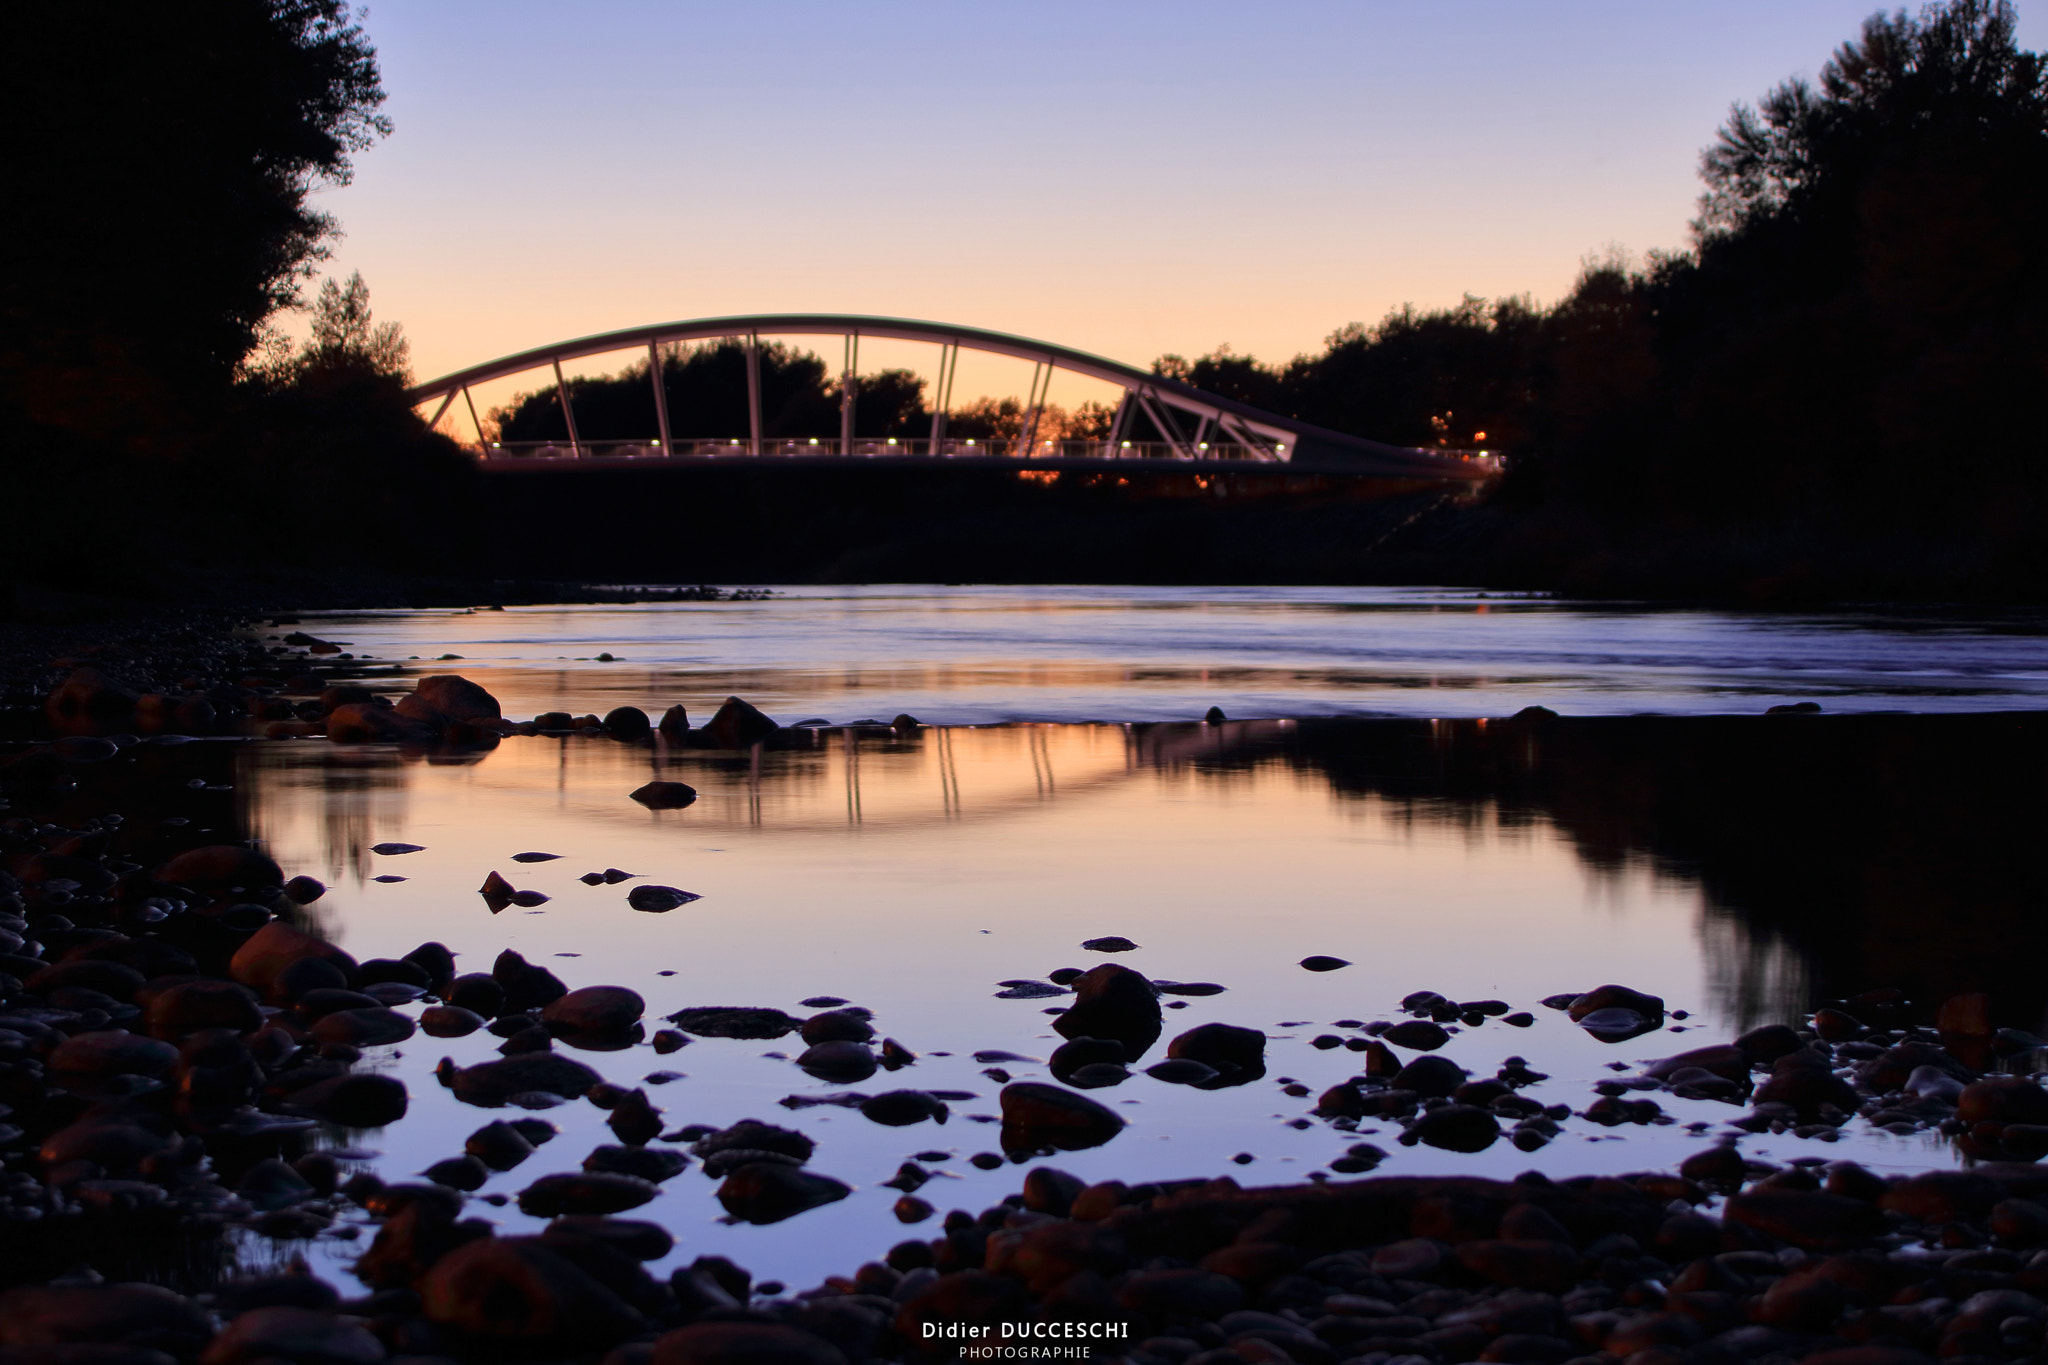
column 1736, row 870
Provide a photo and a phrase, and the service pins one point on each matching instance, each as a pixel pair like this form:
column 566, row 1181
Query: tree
column 160, row 161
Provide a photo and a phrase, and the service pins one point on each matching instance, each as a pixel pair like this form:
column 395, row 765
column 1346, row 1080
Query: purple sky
column 1128, row 177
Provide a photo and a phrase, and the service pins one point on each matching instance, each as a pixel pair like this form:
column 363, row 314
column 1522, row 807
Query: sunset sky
column 1128, row 177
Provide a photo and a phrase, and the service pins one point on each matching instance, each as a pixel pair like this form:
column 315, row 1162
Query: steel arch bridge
column 1196, row 425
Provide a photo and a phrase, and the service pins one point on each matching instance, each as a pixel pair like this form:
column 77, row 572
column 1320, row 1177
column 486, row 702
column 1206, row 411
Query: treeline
column 1835, row 391
column 157, row 436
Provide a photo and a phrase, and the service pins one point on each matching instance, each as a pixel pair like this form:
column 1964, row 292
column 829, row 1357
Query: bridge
column 1192, row 424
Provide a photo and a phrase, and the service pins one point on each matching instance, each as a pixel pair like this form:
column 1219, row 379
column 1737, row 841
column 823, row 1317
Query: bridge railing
column 877, row 448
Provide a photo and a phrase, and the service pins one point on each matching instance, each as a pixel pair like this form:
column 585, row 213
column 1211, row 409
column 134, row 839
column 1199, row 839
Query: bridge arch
column 1197, row 425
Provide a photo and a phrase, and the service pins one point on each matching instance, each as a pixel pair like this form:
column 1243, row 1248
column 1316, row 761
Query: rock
column 652, row 1164
column 491, row 1084
column 1430, row 1077
column 1768, row 1043
column 1616, row 997
column 1112, row 1001
column 370, row 723
column 838, row 1063
column 87, row 1061
column 665, row 795
column 365, row 1100
column 519, row 1290
column 449, row 1021
column 675, row 721
column 1236, row 1054
column 635, row 1119
column 498, row 1145
column 221, row 869
column 2003, row 1099
column 1037, row 1116
column 737, row 725
column 627, row 722
column 1890, row 1069
column 1182, row 1071
column 640, row 1240
column 837, row 1026
column 1549, row 1266
column 743, row 1343
column 1806, row 1081
column 901, row 1108
column 1071, row 1056
column 1937, row 1197
column 735, row 1021
column 1418, row 1034
column 1725, row 1060
column 301, row 1335
column 588, row 1192
column 1813, row 1219
column 304, row 890
column 527, row 987
column 1112, row 943
column 658, row 900
column 1456, row 1128
column 363, row 1027
column 594, row 1009
column 86, row 703
column 445, row 699
column 139, row 1315
column 763, row 1192
column 752, row 1135
column 1618, row 1025
column 262, row 962
column 1320, row 963
column 464, row 1173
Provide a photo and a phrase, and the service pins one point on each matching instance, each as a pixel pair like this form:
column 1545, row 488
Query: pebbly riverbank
column 1411, row 1259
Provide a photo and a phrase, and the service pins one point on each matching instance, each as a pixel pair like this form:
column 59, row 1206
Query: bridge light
column 1127, row 445
column 814, row 440
column 892, row 440
column 1201, row 445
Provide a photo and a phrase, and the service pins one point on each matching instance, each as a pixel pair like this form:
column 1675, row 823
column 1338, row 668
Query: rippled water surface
column 976, row 655
column 1740, row 868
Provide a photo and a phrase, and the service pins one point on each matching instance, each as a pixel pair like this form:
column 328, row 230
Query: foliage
column 161, row 161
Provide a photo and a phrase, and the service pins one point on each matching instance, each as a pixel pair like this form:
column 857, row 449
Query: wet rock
column 144, row 1316
column 1037, row 1116
column 1071, row 1056
column 640, row 1240
column 2003, row 1099
column 263, row 961
column 901, row 1108
column 364, row 1100
column 1236, row 1054
column 1548, row 1265
column 1813, row 1219
column 1455, row 1128
column 1321, row 963
column 519, row 1290
column 87, row 703
column 498, row 1145
column 449, row 1021
column 464, row 1173
column 659, row 900
column 1430, row 1076
column 588, row 1192
column 302, row 1335
column 652, row 1164
column 837, row 1026
column 1806, row 1081
column 838, row 1063
column 1110, row 943
column 1112, row 1001
column 764, row 1192
column 446, row 699
column 1419, row 1034
column 627, row 722
column 1890, row 1069
column 1182, row 1071
column 594, row 1009
column 373, row 1027
column 1099, row 1075
column 737, row 725
column 527, row 986
column 635, row 1119
column 665, row 795
column 371, row 723
column 477, row 992
column 221, row 869
column 752, row 1135
column 491, row 1084
column 675, row 722
column 87, row 1061
column 1937, row 1197
column 1768, row 1043
column 1617, row 1025
column 304, row 890
column 1616, row 997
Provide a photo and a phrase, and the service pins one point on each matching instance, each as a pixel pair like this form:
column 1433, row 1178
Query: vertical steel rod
column 754, row 395
column 660, row 396
column 568, row 413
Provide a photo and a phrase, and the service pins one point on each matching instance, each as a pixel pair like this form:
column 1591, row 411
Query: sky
column 1127, row 177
